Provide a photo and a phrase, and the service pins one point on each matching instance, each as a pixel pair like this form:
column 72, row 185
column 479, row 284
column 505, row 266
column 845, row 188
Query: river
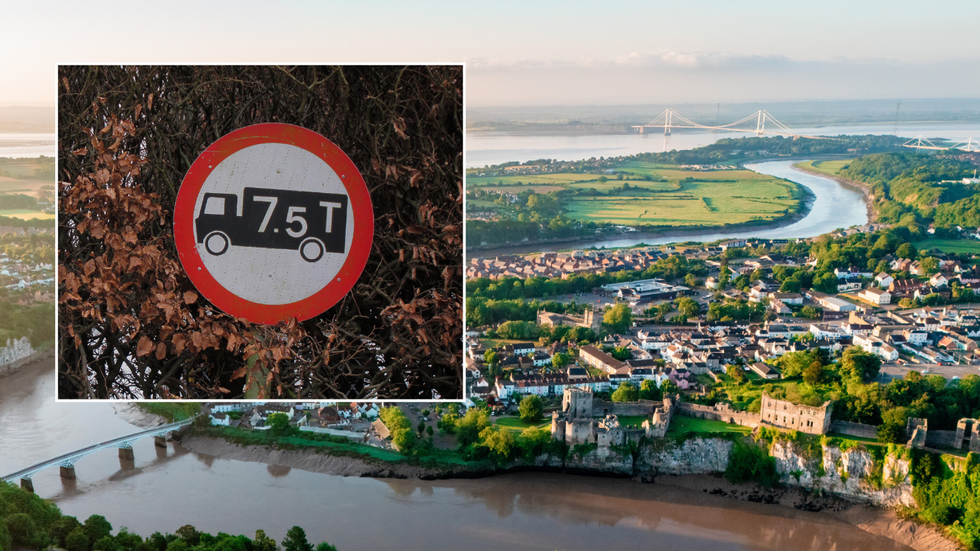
column 163, row 490
column 489, row 148
column 834, row 206
column 27, row 145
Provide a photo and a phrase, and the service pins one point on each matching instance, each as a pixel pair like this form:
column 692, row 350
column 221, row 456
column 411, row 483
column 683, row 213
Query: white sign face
column 260, row 207
column 279, row 221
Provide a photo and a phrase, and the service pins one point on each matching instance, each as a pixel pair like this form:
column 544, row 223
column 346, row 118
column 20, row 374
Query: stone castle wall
column 719, row 412
column 787, row 415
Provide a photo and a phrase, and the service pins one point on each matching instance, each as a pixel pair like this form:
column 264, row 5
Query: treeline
column 29, row 522
column 728, row 148
column 850, row 383
column 908, row 189
column 481, row 232
column 35, row 321
column 17, row 201
column 478, row 439
column 41, row 168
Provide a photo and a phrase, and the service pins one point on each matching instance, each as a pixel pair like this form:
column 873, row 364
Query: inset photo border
column 260, row 232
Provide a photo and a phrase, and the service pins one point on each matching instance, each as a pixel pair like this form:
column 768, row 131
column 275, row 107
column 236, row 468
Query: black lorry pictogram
column 313, row 223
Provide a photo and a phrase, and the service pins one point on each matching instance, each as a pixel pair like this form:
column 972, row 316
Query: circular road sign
column 273, row 221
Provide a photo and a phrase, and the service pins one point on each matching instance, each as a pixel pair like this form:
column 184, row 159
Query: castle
column 587, row 319
column 787, row 415
column 580, row 422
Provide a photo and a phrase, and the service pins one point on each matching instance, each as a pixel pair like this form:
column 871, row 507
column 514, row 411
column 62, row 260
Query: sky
column 532, row 52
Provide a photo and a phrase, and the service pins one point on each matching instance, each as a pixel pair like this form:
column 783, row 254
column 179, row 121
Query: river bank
column 27, row 363
column 864, row 188
column 830, row 205
column 788, row 219
column 484, row 251
column 870, row 518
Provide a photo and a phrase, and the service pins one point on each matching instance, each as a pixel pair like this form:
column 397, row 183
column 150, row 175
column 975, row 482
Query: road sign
column 273, row 221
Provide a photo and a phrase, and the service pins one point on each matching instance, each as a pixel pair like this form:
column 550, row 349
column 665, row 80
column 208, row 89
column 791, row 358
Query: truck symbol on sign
column 310, row 222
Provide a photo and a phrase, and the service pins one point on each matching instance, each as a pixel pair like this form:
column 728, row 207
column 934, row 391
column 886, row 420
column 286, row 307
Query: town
column 729, row 332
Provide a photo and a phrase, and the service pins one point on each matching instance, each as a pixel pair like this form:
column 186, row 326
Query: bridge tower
column 760, row 125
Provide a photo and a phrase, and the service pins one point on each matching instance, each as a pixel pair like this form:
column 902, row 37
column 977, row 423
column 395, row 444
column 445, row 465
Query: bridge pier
column 68, row 473
column 27, row 485
column 160, row 441
column 126, row 454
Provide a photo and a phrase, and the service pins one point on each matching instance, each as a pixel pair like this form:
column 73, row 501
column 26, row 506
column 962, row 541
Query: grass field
column 830, row 168
column 27, row 214
column 680, row 424
column 632, row 420
column 672, row 197
column 712, row 198
column 530, row 179
column 967, row 246
column 543, row 188
column 515, row 424
column 27, row 176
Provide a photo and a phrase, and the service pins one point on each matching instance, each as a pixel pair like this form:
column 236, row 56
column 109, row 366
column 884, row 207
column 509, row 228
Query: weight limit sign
column 273, row 221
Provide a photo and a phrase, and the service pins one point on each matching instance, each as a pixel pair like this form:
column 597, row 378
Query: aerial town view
column 704, row 276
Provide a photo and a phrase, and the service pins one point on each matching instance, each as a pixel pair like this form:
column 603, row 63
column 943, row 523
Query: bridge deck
column 94, row 448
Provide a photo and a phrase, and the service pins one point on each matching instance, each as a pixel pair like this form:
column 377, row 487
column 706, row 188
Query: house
column 875, row 296
column 764, row 370
column 883, row 280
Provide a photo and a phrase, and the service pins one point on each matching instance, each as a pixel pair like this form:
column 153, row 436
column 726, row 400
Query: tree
column 930, row 265
column 21, row 528
column 469, row 427
column 97, row 527
column 859, row 364
column 649, row 390
column 736, row 373
column 692, row 280
column 429, row 431
column 324, row 546
column 906, row 250
column 688, row 306
column 295, row 540
column 559, row 360
column 278, row 424
column 531, row 408
column 77, row 540
column 534, row 441
column 262, row 542
column 421, row 427
column 403, row 439
column 618, row 318
column 892, row 427
column 813, row 373
column 627, row 392
column 189, row 534
column 811, row 312
column 498, row 442
column 621, row 353
column 490, row 357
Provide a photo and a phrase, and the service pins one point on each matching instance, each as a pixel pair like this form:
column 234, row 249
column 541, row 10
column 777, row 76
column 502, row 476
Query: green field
column 24, row 214
column 529, row 179
column 830, row 168
column 632, row 420
column 515, row 424
column 967, row 246
column 659, row 195
column 680, row 424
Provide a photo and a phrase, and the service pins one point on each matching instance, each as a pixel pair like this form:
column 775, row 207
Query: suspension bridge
column 756, row 122
column 918, row 142
column 68, row 460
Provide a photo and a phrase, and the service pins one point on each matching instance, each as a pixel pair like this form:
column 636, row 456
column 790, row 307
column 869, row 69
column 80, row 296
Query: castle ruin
column 787, row 415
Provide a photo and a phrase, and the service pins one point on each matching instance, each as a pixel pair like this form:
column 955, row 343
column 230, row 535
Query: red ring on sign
column 359, row 201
